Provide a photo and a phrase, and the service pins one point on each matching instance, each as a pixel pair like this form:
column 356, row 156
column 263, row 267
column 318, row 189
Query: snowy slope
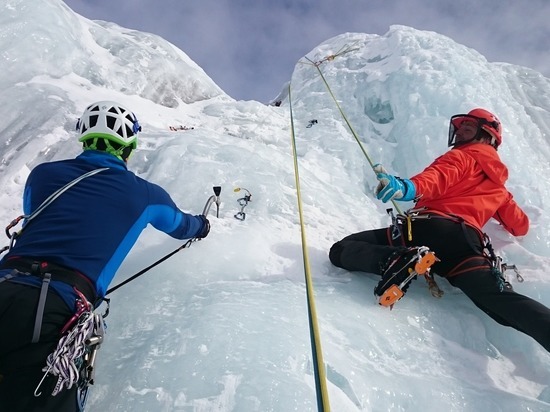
column 222, row 326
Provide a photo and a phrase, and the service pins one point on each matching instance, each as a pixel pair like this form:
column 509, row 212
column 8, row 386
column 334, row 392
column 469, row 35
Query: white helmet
column 110, row 127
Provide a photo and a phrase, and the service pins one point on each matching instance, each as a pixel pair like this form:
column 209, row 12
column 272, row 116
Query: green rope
column 323, row 404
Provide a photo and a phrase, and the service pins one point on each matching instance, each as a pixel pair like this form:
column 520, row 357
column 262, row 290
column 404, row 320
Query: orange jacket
column 468, row 181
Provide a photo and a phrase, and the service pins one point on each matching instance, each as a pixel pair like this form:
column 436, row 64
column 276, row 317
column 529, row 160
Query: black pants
column 452, row 243
column 21, row 361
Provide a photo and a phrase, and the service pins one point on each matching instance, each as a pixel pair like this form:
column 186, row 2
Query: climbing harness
column 75, row 344
column 498, row 267
column 243, row 202
column 47, row 272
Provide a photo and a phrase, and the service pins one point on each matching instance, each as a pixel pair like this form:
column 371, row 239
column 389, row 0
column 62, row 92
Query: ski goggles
column 470, row 128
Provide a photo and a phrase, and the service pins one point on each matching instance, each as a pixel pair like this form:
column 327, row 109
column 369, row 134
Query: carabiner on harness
column 395, row 225
column 498, row 266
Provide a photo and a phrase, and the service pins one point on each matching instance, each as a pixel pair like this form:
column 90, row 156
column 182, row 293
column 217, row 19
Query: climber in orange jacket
column 469, row 182
column 455, row 197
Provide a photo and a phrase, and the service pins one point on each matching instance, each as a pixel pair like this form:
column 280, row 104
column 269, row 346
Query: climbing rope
column 317, row 65
column 323, row 404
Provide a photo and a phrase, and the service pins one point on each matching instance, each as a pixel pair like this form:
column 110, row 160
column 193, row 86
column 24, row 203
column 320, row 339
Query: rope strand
column 323, row 404
column 350, row 127
column 62, row 362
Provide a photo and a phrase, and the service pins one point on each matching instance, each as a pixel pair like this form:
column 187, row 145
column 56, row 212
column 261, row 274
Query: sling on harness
column 43, row 205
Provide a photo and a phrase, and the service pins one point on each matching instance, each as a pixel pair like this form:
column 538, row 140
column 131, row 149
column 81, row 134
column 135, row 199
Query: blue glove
column 392, row 187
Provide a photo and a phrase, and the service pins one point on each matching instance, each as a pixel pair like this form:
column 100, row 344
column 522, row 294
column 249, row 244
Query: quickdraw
column 73, row 360
column 498, row 266
column 243, row 202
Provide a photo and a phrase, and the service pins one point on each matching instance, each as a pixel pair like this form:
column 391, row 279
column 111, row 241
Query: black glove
column 206, row 228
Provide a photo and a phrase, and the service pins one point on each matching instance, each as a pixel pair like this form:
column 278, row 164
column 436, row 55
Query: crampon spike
column 395, row 292
column 390, row 296
column 425, row 263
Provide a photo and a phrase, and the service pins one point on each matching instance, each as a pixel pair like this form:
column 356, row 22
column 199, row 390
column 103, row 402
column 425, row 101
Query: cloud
column 250, row 48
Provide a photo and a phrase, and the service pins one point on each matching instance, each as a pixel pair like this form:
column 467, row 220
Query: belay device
column 243, row 202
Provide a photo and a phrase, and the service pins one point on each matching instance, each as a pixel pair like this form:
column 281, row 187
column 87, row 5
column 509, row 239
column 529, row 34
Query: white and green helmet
column 110, row 127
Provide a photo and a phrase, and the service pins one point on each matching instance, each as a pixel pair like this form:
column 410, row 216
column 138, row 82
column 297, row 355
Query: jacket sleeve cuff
column 410, row 190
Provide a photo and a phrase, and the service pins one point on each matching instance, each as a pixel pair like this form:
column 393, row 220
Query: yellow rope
column 316, row 65
column 323, row 404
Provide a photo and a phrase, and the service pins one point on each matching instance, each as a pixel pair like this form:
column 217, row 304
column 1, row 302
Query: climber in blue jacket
column 82, row 217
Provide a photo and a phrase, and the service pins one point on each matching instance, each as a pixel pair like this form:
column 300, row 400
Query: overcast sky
column 249, row 47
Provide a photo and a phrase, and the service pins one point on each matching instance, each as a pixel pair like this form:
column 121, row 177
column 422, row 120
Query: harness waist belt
column 58, row 273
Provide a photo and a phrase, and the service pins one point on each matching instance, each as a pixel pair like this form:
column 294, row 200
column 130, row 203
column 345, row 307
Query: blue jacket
column 92, row 226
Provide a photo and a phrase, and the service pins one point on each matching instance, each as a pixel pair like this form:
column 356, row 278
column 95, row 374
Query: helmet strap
column 105, row 145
